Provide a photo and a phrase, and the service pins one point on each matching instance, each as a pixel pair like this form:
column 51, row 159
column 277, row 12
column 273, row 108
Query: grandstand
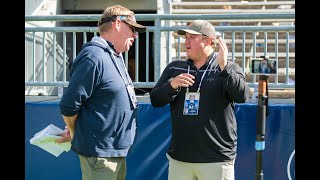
column 242, row 44
column 279, row 45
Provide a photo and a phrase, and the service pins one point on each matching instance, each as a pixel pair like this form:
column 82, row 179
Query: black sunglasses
column 131, row 27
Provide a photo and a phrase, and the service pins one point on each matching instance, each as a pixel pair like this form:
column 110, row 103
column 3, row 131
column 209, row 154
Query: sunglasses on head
column 114, row 17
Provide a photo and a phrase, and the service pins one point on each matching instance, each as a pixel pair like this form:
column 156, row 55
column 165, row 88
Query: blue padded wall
column 147, row 160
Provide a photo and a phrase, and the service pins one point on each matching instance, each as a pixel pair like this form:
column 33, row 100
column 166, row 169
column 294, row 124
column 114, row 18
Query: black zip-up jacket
column 210, row 136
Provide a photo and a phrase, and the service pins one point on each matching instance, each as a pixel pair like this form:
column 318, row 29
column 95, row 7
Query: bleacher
column 232, row 6
column 280, row 45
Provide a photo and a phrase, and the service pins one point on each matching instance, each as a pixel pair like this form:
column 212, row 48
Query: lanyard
column 129, row 81
column 198, row 91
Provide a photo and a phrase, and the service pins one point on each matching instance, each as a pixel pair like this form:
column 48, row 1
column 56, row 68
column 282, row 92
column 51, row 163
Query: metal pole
column 261, row 124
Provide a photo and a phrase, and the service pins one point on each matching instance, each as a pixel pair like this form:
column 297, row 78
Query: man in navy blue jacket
column 99, row 104
column 204, row 137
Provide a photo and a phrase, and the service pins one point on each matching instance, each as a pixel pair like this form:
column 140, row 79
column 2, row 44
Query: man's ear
column 213, row 42
column 209, row 41
column 117, row 24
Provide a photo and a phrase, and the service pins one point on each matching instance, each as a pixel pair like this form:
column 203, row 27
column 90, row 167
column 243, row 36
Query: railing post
column 157, row 50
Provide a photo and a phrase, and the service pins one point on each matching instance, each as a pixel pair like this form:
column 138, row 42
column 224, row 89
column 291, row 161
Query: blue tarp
column 147, row 160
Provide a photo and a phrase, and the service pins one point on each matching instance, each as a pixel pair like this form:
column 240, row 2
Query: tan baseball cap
column 199, row 27
column 130, row 19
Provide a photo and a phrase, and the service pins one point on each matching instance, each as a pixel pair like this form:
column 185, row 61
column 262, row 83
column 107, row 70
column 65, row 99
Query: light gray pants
column 109, row 168
column 200, row 171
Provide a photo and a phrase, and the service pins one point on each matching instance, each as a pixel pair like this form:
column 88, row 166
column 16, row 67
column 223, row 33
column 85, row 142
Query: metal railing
column 159, row 31
column 227, row 7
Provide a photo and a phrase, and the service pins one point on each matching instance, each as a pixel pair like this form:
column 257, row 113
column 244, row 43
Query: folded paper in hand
column 45, row 139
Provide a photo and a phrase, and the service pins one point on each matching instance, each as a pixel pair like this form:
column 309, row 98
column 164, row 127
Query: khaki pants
column 109, row 168
column 200, row 171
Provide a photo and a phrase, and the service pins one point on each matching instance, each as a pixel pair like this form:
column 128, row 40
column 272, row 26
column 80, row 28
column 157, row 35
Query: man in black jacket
column 204, row 139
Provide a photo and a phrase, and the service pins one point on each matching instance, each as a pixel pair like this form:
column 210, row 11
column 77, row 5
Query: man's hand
column 182, row 80
column 223, row 54
column 66, row 136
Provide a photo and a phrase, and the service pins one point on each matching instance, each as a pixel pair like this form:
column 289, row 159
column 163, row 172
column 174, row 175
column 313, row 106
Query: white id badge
column 132, row 96
column 191, row 104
